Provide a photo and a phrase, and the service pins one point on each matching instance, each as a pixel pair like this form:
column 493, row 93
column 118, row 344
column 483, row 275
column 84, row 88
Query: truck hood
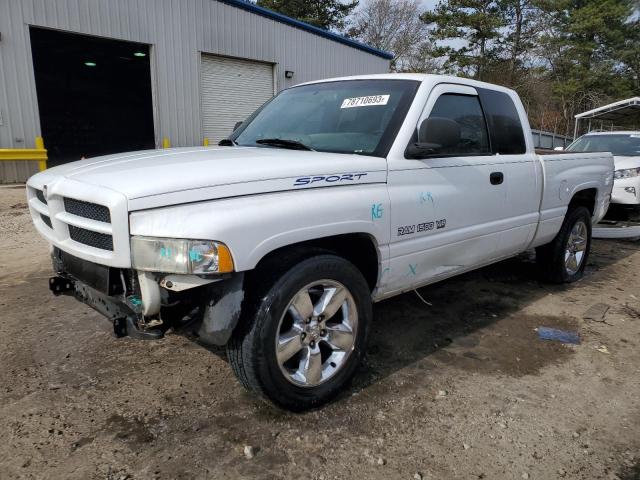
column 155, row 178
column 623, row 162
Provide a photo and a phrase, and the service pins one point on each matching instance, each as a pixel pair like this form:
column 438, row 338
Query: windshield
column 622, row 145
column 352, row 116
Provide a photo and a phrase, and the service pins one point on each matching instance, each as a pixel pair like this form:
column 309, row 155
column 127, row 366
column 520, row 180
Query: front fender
column 252, row 226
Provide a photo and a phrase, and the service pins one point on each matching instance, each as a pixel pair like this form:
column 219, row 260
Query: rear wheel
column 301, row 341
column 565, row 258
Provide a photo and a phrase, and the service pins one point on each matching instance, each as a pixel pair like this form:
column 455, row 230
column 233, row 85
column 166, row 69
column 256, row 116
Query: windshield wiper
column 284, row 143
column 227, row 142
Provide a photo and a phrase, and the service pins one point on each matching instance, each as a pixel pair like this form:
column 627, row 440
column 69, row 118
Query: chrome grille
column 40, row 196
column 89, row 210
column 93, row 239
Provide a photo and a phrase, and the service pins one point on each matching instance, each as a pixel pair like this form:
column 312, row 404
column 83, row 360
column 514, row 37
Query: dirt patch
column 131, row 430
column 510, row 347
column 24, row 251
column 462, row 388
column 630, row 471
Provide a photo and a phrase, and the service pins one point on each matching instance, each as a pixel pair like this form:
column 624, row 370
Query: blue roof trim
column 278, row 17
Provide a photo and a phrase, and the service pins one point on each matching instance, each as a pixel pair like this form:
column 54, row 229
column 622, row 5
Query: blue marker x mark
column 413, row 269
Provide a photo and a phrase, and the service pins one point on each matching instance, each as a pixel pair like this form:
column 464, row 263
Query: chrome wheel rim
column 576, row 248
column 317, row 333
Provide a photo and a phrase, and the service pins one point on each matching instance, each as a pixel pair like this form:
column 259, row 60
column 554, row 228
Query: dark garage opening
column 94, row 95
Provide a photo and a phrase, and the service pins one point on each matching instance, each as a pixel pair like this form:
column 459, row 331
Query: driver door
column 446, row 209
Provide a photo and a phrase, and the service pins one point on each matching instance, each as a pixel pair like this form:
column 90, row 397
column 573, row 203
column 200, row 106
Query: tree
column 327, row 14
column 518, row 38
column 471, row 28
column 424, row 60
column 590, row 49
column 562, row 56
column 393, row 26
column 629, row 54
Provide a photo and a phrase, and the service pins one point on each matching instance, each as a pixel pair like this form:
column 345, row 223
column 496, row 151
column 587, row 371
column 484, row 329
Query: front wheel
column 565, row 258
column 302, row 340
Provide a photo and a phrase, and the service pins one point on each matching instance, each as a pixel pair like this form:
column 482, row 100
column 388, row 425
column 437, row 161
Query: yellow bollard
column 42, row 164
column 206, row 142
column 166, row 143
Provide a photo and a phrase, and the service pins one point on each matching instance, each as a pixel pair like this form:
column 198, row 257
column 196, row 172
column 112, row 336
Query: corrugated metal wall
column 17, row 172
column 542, row 139
column 178, row 30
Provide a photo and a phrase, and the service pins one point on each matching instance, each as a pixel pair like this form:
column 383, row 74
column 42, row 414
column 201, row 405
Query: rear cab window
column 505, row 127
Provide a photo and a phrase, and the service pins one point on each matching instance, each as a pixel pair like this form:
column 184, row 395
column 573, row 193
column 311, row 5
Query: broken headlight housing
column 626, row 173
column 177, row 255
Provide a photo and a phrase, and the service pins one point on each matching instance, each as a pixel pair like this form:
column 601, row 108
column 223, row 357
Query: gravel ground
column 459, row 389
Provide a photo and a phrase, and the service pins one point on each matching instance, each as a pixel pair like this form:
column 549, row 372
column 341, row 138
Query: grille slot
column 40, row 196
column 46, row 220
column 89, row 210
column 88, row 237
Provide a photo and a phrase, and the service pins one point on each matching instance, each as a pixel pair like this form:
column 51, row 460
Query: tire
column 280, row 319
column 573, row 242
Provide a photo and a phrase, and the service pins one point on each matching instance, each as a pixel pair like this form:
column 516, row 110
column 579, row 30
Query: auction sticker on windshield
column 365, row 101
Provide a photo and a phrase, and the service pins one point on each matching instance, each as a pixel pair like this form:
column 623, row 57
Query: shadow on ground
column 475, row 322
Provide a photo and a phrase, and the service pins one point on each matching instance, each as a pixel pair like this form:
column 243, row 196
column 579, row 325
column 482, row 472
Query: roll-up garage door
column 231, row 91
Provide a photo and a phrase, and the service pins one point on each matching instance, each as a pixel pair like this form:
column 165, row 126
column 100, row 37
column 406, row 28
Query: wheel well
column 359, row 248
column 585, row 198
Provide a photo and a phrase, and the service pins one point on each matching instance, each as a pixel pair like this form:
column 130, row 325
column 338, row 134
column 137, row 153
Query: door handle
column 496, row 178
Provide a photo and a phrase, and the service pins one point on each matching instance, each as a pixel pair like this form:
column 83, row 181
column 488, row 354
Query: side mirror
column 237, row 126
column 559, row 149
column 434, row 135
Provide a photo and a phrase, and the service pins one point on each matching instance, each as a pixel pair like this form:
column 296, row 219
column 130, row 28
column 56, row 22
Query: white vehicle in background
column 333, row 195
column 625, row 147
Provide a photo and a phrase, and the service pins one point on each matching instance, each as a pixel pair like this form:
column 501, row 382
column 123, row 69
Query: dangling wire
column 423, row 300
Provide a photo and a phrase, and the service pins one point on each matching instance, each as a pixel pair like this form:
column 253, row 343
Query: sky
column 426, row 4
column 429, row 4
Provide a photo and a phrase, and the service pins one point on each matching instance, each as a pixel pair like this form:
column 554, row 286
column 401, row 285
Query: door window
column 465, row 110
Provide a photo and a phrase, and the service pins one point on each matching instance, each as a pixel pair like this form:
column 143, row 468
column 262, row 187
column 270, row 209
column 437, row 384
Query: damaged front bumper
column 144, row 305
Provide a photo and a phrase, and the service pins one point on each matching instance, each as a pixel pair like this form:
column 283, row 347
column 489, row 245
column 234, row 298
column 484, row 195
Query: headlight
column 175, row 255
column 626, row 173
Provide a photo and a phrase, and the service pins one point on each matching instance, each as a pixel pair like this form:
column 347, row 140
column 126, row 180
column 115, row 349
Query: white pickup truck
column 333, row 195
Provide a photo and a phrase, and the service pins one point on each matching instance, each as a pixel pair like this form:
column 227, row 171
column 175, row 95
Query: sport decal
column 343, row 177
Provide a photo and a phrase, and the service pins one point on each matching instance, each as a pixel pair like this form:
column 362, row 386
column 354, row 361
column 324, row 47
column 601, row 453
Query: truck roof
column 420, row 77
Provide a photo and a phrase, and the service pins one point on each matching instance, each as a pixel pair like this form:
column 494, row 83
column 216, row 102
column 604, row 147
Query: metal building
column 93, row 76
